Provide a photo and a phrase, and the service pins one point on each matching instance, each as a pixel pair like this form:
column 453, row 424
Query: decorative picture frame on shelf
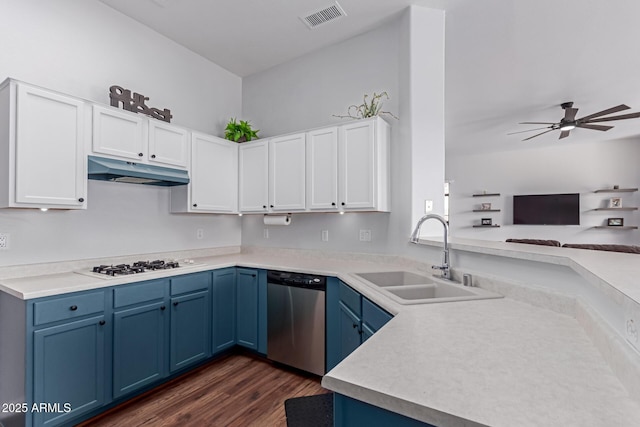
column 615, row 202
column 615, row 222
column 486, row 221
column 485, row 206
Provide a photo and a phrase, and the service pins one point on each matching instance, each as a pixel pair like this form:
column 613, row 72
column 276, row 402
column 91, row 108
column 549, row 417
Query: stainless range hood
column 104, row 169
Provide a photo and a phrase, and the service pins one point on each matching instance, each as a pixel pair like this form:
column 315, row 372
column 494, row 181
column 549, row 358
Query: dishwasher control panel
column 300, row 280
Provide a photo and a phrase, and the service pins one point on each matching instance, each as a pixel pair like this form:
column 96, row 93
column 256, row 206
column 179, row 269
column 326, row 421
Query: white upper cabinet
column 287, row 173
column 129, row 136
column 214, row 177
column 168, row 144
column 337, row 168
column 254, row 176
column 363, row 172
column 121, row 134
column 43, row 162
column 322, row 169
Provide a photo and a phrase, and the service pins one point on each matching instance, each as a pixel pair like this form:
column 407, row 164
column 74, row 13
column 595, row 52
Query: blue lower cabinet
column 351, row 412
column 351, row 320
column 350, row 331
column 247, row 308
column 262, row 312
column 139, row 347
column 69, row 369
column 373, row 318
column 224, row 309
column 251, row 309
column 190, row 329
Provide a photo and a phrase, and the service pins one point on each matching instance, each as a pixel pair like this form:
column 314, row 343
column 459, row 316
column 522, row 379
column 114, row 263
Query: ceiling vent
column 323, row 15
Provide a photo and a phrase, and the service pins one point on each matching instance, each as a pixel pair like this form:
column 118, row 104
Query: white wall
column 570, row 167
column 425, row 82
column 305, row 92
column 82, row 48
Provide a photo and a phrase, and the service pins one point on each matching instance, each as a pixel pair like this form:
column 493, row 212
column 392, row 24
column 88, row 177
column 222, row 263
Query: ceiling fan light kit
column 569, row 121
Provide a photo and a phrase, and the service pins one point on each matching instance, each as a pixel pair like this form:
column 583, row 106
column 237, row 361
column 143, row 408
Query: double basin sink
column 405, row 287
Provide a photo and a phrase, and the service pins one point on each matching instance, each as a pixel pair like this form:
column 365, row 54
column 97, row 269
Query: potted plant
column 367, row 109
column 240, row 131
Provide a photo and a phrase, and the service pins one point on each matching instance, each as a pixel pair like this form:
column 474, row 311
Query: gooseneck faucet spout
column 445, row 267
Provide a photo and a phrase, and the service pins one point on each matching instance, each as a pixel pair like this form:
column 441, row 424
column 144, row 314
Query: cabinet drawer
column 190, row 283
column 68, row 307
column 140, row 292
column 351, row 299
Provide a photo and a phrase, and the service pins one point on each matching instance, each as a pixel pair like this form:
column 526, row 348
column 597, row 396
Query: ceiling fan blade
column 542, row 133
column 564, row 134
column 608, row 119
column 537, row 123
column 611, row 110
column 570, row 114
column 594, row 127
column 528, row 130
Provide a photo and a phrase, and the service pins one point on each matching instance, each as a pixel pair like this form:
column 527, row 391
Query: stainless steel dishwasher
column 296, row 320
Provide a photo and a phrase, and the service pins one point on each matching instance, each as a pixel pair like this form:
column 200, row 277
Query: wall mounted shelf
column 486, row 210
column 616, row 209
column 486, row 195
column 616, row 190
column 625, row 227
column 486, row 226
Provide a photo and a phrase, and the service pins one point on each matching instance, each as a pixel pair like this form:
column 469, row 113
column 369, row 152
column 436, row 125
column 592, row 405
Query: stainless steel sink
column 406, row 287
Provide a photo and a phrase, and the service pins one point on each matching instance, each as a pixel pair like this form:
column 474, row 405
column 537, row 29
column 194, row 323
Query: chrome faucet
column 446, row 273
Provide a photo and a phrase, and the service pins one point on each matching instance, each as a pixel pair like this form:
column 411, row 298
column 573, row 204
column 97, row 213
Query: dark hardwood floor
column 234, row 390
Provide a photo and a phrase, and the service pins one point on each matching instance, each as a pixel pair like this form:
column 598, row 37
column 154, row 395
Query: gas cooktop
column 108, row 271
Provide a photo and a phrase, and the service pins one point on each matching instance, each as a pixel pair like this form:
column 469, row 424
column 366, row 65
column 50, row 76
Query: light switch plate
column 428, row 206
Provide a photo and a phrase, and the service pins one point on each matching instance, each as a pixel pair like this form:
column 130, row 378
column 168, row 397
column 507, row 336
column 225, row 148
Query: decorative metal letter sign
column 136, row 103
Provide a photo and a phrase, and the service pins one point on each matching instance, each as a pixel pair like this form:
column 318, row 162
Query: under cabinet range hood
column 104, row 169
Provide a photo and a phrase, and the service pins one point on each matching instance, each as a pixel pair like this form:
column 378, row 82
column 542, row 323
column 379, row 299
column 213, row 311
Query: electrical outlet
column 4, row 241
column 365, row 235
column 325, row 235
column 265, row 233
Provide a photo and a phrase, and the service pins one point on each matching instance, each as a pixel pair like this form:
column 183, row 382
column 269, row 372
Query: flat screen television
column 547, row 209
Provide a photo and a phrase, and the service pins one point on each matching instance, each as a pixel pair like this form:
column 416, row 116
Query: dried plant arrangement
column 367, row 109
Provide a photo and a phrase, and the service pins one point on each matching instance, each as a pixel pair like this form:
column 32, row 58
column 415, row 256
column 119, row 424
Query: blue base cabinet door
column 351, row 320
column 224, row 309
column 190, row 332
column 247, row 308
column 69, row 369
column 373, row 318
column 138, row 347
column 350, row 331
column 351, row 412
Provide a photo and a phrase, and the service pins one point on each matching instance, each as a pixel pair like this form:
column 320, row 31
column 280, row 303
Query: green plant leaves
column 236, row 131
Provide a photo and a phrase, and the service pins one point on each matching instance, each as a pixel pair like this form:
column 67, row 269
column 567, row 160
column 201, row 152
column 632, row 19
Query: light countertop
column 617, row 274
column 489, row 362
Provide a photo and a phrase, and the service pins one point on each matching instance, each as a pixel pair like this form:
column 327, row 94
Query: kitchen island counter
column 489, row 362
